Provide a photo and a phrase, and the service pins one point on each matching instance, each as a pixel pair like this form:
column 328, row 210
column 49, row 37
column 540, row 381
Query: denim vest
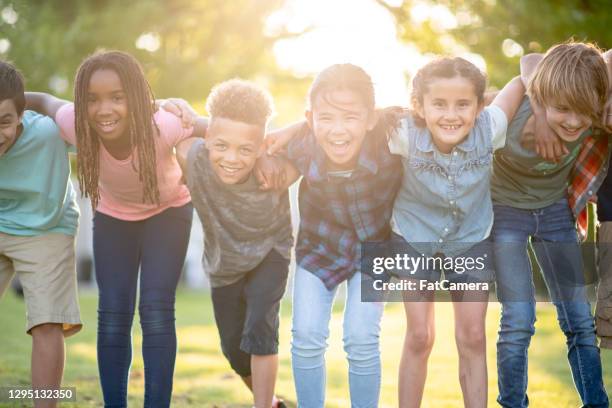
column 444, row 202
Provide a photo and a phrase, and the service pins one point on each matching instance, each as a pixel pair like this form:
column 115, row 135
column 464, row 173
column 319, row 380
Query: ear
column 418, row 108
column 308, row 116
column 262, row 146
column 481, row 106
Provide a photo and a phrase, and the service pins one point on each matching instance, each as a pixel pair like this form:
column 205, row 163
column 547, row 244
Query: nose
column 451, row 113
column 573, row 120
column 105, row 107
column 231, row 155
column 337, row 127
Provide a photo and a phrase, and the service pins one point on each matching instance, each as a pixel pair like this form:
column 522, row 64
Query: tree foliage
column 192, row 43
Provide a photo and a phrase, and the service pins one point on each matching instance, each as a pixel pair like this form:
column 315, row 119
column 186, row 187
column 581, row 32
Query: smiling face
column 10, row 125
column 450, row 107
column 107, row 105
column 340, row 120
column 233, row 148
column 566, row 123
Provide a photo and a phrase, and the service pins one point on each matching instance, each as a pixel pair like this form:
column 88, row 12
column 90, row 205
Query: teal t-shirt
column 36, row 195
column 522, row 179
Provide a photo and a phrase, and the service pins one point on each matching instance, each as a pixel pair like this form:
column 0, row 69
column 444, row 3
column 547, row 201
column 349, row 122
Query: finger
column 273, row 147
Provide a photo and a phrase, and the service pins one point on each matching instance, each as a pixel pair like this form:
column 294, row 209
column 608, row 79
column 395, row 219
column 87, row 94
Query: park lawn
column 203, row 378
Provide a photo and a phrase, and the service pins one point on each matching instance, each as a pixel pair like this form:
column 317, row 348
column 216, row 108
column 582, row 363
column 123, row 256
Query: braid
column 141, row 127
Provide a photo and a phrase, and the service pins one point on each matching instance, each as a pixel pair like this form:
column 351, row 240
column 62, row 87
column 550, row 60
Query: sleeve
column 499, row 126
column 170, row 127
column 300, row 150
column 65, row 120
column 191, row 162
column 398, row 142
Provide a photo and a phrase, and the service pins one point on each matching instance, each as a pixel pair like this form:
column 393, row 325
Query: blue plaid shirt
column 337, row 214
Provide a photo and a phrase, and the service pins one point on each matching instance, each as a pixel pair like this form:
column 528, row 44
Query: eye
column 220, row 147
column 118, row 98
column 561, row 108
column 438, row 104
column 246, row 150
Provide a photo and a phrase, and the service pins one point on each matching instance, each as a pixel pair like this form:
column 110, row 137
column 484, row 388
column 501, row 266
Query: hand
column 606, row 121
column 182, row 109
column 270, row 172
column 547, row 143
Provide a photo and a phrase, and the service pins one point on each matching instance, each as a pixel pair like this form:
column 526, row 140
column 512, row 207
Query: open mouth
column 108, row 126
column 339, row 146
column 571, row 131
column 230, row 170
column 450, row 127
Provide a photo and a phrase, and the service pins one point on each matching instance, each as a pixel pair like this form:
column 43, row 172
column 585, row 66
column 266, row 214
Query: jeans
column 156, row 246
column 312, row 304
column 555, row 243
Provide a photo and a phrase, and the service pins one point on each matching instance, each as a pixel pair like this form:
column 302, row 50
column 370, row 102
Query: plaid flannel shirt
column 337, row 214
column 587, row 176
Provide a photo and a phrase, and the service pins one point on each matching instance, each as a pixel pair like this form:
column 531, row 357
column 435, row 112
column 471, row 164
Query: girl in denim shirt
column 443, row 213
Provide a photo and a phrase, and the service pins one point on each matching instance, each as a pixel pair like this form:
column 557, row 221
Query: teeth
column 340, row 143
column 450, row 127
column 229, row 169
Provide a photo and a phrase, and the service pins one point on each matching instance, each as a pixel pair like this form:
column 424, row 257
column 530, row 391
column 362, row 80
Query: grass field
column 203, row 378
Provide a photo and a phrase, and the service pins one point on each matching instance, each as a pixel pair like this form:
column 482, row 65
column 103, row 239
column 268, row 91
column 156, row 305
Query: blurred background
column 185, row 47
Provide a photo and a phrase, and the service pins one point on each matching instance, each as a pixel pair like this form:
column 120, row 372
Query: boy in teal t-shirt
column 38, row 223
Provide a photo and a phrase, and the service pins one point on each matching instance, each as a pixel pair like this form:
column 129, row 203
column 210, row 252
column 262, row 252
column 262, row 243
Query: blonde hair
column 574, row 73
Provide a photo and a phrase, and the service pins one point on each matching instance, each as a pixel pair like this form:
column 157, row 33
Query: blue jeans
column 555, row 244
column 312, row 304
column 156, row 246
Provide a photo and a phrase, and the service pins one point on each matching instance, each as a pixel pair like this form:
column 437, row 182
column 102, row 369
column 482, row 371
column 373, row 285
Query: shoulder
column 170, row 126
column 38, row 124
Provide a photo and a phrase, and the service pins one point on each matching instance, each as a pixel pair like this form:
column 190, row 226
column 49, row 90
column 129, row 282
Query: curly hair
column 240, row 100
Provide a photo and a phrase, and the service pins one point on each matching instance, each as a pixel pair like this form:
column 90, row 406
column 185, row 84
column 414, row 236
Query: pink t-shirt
column 121, row 192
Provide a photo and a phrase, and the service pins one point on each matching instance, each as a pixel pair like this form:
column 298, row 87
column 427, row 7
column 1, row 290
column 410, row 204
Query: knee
column 470, row 339
column 47, row 330
column 157, row 318
column 308, row 341
column 518, row 318
column 420, row 340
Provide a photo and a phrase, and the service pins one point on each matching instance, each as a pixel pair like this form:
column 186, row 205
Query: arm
column 510, row 97
column 279, row 138
column 528, row 65
column 182, row 151
column 44, row 103
column 275, row 172
column 189, row 117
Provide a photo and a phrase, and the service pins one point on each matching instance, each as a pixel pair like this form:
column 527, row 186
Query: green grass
column 203, row 377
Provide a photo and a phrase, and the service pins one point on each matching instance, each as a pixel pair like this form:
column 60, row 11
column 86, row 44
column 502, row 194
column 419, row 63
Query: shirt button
column 440, row 240
column 454, row 153
column 454, row 212
column 445, row 229
column 452, row 202
column 450, row 178
column 590, row 192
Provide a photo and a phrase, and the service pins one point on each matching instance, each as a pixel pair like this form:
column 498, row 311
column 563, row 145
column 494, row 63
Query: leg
column 47, row 359
column 361, row 344
column 164, row 245
column 46, row 267
column 559, row 256
column 312, row 303
column 264, row 289
column 116, row 246
column 471, row 342
column 418, row 342
column 516, row 292
column 604, row 289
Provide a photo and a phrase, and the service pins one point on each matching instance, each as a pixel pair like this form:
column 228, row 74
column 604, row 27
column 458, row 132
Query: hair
column 574, row 73
column 445, row 67
column 141, row 127
column 354, row 78
column 242, row 101
column 11, row 86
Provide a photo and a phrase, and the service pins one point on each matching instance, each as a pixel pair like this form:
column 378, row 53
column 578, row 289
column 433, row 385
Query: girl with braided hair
column 142, row 214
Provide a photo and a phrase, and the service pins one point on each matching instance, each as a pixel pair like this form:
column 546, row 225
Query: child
column 345, row 199
column 569, row 88
column 603, row 313
column 142, row 220
column 247, row 232
column 443, row 209
column 38, row 222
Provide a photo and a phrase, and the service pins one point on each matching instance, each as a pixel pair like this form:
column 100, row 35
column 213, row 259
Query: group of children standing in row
column 453, row 177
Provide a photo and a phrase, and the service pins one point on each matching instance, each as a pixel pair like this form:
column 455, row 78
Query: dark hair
column 343, row 76
column 445, row 67
column 11, row 86
column 141, row 127
column 354, row 78
column 240, row 100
